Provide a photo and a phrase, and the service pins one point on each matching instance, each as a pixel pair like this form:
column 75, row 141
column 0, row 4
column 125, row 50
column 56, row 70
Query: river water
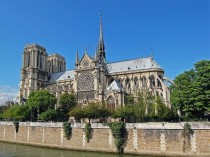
column 16, row 150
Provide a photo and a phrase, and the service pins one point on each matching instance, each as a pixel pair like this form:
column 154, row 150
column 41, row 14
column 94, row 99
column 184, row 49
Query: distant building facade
column 93, row 79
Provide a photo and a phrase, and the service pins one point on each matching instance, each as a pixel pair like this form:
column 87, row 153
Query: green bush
column 118, row 131
column 16, row 124
column 187, row 131
column 88, row 131
column 48, row 115
column 67, row 130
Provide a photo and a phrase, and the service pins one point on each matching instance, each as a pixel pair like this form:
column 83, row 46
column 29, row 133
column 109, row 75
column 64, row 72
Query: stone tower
column 56, row 63
column 90, row 74
column 34, row 71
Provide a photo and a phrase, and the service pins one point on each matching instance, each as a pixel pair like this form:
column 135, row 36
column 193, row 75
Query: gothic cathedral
column 93, row 79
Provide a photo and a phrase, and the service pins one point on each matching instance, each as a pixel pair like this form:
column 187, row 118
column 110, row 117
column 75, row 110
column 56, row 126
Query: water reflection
column 16, row 150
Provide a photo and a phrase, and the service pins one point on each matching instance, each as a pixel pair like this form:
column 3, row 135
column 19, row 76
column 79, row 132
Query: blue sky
column 177, row 30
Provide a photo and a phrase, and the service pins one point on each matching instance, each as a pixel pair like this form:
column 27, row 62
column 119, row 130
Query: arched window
column 152, row 81
column 127, row 83
column 49, row 64
column 111, row 103
column 158, row 81
column 120, row 82
column 60, row 66
column 52, row 64
column 41, row 60
column 144, row 81
column 29, row 58
column 136, row 83
column 37, row 59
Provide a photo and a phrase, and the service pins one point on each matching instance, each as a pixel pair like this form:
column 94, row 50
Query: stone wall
column 141, row 138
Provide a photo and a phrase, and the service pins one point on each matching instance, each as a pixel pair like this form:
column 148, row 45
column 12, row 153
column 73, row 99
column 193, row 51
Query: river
column 17, row 150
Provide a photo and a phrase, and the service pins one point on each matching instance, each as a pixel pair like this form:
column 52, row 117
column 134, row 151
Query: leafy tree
column 2, row 109
column 147, row 108
column 91, row 111
column 39, row 101
column 191, row 91
column 77, row 112
column 126, row 113
column 67, row 102
column 103, row 112
column 49, row 115
column 162, row 112
column 17, row 112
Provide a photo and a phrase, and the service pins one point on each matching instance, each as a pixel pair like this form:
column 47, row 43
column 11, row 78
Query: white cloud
column 7, row 93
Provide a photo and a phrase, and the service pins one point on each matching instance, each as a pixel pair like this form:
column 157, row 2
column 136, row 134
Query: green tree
column 17, row 112
column 2, row 109
column 49, row 115
column 67, row 102
column 191, row 91
column 90, row 111
column 126, row 113
column 39, row 101
column 77, row 112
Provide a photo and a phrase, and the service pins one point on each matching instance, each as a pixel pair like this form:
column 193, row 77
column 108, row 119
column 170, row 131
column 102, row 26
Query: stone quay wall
column 142, row 138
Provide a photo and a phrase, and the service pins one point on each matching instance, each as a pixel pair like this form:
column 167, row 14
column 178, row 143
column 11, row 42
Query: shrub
column 118, row 131
column 16, row 124
column 67, row 130
column 187, row 131
column 88, row 131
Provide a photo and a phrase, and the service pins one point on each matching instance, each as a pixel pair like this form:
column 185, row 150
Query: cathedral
column 93, row 79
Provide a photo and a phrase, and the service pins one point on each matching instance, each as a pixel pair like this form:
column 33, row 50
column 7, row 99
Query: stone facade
column 142, row 138
column 93, row 79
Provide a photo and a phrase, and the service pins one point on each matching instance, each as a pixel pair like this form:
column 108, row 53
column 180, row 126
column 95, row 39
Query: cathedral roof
column 123, row 66
column 59, row 76
column 132, row 65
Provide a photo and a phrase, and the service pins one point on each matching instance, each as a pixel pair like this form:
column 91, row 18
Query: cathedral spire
column 101, row 40
column 101, row 47
column 77, row 58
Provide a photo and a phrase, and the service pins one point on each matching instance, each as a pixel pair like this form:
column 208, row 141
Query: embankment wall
column 142, row 138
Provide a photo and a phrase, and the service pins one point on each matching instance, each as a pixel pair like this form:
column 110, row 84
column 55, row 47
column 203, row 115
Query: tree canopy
column 39, row 101
column 191, row 92
column 67, row 102
column 91, row 111
column 17, row 112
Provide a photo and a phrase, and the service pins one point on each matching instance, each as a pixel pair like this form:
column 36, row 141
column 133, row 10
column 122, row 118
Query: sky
column 175, row 32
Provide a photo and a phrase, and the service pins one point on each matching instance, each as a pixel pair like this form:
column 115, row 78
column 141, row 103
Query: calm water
column 15, row 150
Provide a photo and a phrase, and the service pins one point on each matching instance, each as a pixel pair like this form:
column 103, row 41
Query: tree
column 77, row 112
column 49, row 115
column 2, row 109
column 67, row 102
column 126, row 113
column 91, row 111
column 39, row 101
column 17, row 112
column 191, row 91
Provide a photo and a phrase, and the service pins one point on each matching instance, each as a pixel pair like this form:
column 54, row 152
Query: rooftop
column 59, row 76
column 135, row 64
